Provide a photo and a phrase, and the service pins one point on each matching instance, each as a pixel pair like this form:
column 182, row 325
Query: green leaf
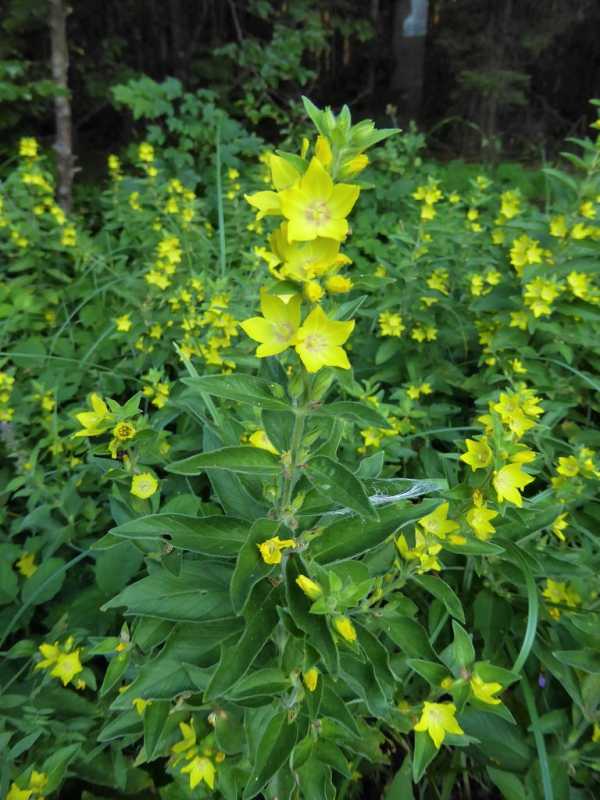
column 244, row 459
column 51, row 575
column 213, row 536
column 315, row 779
column 350, row 536
column 9, row 583
column 425, row 752
column 236, row 660
column 198, row 593
column 241, row 388
column 401, row 787
column 115, row 567
column 585, row 659
column 440, row 589
column 274, row 748
column 155, row 717
column 116, row 669
column 462, row 646
column 356, row 412
column 250, row 567
column 278, row 426
column 336, row 481
column 409, row 635
column 433, row 672
column 509, row 785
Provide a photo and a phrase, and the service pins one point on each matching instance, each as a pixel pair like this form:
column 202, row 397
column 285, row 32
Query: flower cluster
column 201, row 758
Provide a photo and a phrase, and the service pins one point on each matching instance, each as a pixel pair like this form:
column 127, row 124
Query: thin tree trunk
column 63, row 143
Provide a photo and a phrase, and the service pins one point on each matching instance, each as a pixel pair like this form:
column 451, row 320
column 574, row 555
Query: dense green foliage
column 493, row 74
column 282, row 580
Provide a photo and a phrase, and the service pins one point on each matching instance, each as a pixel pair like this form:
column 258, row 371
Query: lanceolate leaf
column 215, row 535
column 241, row 388
column 244, row 459
column 339, row 484
column 236, row 660
column 349, row 537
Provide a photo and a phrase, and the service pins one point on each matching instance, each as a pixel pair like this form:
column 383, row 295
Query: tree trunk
column 408, row 45
column 63, row 143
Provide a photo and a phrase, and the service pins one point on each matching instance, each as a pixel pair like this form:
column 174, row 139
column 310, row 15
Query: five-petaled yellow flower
column 438, row 719
column 319, row 341
column 276, row 330
column 315, row 206
column 478, row 455
column 199, row 769
column 509, row 481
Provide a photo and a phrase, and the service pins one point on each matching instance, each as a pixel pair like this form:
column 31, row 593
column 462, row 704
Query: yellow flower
column 37, row 782
column 596, row 729
column 353, row 166
column 313, row 291
column 438, row 719
column 303, row 261
column 568, row 466
column 189, row 738
column 124, row 431
column 579, row 284
column 276, row 330
column 94, row 422
column 345, row 628
column 261, row 440
column 28, row 147
column 199, row 769
column 510, row 204
column 518, row 319
column 558, row 527
column 478, row 455
column 338, row 284
column 267, row 203
column 509, row 481
column 319, row 341
column 26, row 565
column 558, row 227
column 559, row 593
column 316, row 207
column 437, row 523
column 390, row 324
column 311, row 678
column 323, row 151
column 270, row 550
column 146, row 152
column 310, row 588
column 478, row 517
column 586, row 209
column 50, row 652
column 67, row 666
column 140, row 705
column 15, row 793
column 525, row 251
column 143, row 485
column 485, row 691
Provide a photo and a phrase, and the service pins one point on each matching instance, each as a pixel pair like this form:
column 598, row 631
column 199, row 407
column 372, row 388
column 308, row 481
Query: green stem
column 291, row 476
column 220, row 216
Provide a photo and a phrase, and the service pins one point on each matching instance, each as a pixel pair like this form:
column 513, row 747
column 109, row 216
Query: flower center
column 315, row 342
column 318, row 213
column 283, row 331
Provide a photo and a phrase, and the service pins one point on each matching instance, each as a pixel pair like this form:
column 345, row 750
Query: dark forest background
column 482, row 77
